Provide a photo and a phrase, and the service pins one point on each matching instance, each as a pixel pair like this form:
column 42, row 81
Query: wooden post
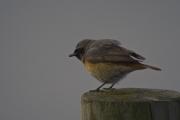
column 131, row 104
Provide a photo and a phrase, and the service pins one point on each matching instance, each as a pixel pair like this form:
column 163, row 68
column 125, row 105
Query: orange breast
column 96, row 68
column 105, row 71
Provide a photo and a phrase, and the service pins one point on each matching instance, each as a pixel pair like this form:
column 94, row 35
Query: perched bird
column 108, row 61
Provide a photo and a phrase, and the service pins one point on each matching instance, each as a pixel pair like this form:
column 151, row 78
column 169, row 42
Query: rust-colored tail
column 152, row 67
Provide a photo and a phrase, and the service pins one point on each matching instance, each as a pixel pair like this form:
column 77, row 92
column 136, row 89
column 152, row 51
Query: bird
column 108, row 61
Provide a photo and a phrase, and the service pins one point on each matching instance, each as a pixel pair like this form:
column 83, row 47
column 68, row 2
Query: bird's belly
column 107, row 72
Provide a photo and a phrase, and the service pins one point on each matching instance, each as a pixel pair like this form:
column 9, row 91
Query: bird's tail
column 152, row 67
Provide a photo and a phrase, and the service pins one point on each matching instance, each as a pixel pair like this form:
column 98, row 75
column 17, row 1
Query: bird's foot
column 96, row 90
column 109, row 88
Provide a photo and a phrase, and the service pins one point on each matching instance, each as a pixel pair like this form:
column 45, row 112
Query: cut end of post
column 132, row 94
column 131, row 104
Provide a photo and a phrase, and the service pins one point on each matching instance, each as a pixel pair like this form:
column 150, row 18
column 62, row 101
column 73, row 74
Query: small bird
column 108, row 61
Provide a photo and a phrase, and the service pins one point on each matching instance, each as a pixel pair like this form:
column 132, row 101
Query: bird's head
column 81, row 48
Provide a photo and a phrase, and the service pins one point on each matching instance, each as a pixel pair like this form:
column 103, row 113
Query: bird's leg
column 111, row 87
column 100, row 86
column 97, row 89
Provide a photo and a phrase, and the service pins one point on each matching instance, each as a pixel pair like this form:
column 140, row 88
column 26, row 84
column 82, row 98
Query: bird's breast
column 106, row 71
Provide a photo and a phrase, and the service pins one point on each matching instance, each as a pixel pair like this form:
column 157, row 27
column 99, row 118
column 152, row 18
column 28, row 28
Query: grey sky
column 37, row 79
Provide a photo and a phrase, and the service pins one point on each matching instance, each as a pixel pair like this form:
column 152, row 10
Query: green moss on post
column 131, row 104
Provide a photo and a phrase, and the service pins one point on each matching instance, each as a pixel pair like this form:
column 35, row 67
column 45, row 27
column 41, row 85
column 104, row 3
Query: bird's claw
column 108, row 88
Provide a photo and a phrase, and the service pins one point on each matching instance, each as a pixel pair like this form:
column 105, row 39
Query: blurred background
column 37, row 79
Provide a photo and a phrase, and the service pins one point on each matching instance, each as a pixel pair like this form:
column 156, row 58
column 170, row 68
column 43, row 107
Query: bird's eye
column 79, row 50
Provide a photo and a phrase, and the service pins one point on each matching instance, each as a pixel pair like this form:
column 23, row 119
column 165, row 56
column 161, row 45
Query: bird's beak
column 71, row 55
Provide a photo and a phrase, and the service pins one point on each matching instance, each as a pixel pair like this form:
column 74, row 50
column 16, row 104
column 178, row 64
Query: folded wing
column 111, row 51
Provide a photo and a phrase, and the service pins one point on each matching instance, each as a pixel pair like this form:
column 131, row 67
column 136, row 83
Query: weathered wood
column 131, row 104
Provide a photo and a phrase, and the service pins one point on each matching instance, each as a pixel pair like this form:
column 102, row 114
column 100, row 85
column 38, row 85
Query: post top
column 132, row 95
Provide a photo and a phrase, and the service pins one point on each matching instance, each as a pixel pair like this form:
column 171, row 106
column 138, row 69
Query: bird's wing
column 111, row 52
